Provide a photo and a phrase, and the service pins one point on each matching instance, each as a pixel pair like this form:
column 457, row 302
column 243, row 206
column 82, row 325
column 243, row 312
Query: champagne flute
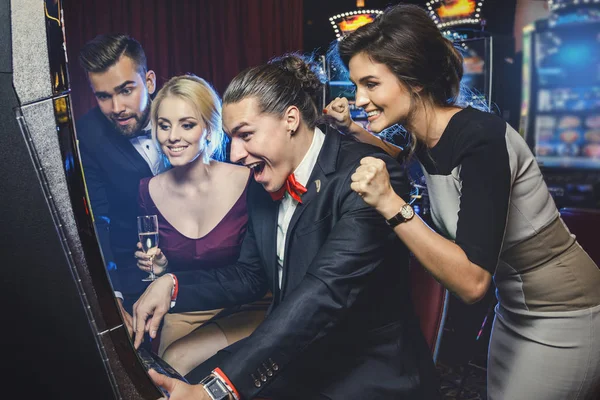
column 148, row 234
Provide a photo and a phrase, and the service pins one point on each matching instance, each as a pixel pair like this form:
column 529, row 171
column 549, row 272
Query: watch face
column 407, row 211
column 215, row 388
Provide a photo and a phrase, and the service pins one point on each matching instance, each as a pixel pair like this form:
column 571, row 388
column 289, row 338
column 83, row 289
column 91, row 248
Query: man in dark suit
column 341, row 325
column 117, row 150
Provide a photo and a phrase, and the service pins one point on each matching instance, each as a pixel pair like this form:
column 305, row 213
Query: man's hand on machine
column 177, row 389
column 151, row 307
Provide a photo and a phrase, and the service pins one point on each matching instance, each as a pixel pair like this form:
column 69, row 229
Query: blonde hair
column 203, row 98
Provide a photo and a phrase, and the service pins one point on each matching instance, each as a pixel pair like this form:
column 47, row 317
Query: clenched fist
column 372, row 182
column 338, row 114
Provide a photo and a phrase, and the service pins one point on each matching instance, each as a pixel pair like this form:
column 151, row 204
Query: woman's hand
column 154, row 255
column 337, row 113
column 372, row 182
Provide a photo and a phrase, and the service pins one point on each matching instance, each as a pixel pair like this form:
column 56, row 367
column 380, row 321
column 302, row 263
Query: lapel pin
column 318, row 185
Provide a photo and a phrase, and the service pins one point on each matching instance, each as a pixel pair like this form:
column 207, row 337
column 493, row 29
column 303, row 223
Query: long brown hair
column 409, row 43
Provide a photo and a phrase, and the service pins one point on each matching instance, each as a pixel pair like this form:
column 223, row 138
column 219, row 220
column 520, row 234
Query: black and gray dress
column 488, row 195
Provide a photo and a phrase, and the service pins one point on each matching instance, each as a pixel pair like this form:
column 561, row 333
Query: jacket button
column 269, row 372
column 257, row 383
column 262, row 376
column 273, row 365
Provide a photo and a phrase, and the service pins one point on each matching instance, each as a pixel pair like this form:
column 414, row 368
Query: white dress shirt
column 288, row 204
column 148, row 149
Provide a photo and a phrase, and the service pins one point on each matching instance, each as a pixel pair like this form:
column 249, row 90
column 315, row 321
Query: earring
column 208, row 140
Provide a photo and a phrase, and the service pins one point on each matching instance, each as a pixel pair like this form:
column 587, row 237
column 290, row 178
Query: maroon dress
column 218, row 248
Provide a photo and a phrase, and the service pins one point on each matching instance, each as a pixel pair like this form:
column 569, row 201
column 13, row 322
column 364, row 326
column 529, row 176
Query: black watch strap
column 395, row 220
column 406, row 213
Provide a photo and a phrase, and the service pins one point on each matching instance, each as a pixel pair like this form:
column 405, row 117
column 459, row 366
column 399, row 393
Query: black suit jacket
column 113, row 169
column 342, row 325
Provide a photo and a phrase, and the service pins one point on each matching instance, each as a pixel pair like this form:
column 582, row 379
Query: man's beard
column 131, row 131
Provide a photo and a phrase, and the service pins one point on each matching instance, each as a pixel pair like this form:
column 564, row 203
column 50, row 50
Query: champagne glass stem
column 152, row 276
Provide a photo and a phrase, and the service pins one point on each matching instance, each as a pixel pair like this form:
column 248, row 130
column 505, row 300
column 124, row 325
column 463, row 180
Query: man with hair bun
column 342, row 324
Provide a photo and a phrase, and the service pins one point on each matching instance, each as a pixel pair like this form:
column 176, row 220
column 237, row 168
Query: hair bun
column 305, row 71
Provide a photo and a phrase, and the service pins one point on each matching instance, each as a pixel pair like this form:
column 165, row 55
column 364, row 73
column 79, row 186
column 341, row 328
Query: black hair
column 104, row 51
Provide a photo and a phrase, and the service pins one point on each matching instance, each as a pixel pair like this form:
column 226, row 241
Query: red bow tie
column 292, row 186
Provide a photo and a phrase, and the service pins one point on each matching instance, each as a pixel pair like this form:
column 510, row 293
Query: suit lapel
column 125, row 147
column 131, row 154
column 307, row 198
column 326, row 164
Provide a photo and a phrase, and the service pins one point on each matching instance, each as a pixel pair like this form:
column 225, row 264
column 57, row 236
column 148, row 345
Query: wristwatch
column 406, row 214
column 215, row 388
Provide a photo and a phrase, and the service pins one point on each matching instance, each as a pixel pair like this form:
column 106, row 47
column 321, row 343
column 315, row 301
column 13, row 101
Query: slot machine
column 62, row 328
column 487, row 57
column 560, row 110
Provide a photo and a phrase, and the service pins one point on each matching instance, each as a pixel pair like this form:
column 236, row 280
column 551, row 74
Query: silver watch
column 215, row 388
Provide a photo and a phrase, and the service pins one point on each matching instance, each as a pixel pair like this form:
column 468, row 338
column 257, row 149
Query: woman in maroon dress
column 201, row 209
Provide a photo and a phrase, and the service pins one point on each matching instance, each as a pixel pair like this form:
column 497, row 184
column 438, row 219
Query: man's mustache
column 123, row 116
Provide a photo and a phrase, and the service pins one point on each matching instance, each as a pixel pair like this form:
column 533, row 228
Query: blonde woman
column 201, row 207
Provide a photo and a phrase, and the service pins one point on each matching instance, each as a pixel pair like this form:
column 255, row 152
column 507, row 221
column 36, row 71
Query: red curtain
column 214, row 39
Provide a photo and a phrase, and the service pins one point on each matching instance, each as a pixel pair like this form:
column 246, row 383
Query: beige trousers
column 235, row 326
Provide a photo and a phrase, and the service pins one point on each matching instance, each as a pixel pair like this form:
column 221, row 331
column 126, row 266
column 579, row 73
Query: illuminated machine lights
column 460, row 12
column 346, row 22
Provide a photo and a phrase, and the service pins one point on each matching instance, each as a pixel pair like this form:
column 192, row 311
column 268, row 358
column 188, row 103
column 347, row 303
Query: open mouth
column 256, row 168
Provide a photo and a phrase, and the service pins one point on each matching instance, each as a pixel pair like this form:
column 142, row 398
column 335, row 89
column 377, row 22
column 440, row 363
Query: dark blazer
column 113, row 169
column 342, row 325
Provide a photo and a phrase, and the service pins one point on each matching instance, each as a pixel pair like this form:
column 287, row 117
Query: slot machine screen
column 567, row 129
column 568, row 57
column 476, row 71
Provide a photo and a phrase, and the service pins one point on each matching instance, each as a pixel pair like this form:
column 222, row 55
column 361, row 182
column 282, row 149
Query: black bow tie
column 145, row 133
